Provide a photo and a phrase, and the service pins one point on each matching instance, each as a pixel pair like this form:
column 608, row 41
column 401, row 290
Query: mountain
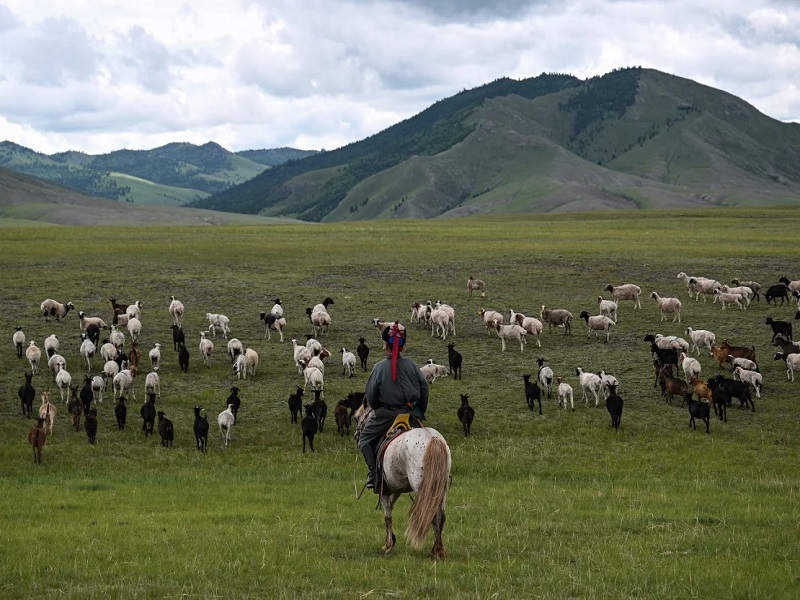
column 173, row 174
column 632, row 138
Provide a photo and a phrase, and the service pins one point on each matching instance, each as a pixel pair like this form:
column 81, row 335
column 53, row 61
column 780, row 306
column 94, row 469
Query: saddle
column 402, row 423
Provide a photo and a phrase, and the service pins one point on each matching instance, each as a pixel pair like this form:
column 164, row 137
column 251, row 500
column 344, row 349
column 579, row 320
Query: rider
column 395, row 386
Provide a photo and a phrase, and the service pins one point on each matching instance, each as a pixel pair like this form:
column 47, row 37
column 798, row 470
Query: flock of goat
column 671, row 355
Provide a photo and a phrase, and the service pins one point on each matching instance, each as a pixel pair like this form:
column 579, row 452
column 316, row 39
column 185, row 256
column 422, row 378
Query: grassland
column 551, row 506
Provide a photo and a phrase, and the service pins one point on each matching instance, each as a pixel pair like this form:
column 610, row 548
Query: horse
column 417, row 461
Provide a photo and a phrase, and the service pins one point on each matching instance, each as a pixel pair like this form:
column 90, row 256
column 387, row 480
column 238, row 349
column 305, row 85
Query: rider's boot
column 369, row 457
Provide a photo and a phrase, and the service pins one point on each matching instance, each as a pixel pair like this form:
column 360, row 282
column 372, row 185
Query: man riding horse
column 396, row 386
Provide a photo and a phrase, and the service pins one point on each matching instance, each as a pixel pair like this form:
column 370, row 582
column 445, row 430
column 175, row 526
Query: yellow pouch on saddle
column 401, row 423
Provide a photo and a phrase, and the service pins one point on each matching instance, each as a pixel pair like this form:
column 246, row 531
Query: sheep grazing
column 26, row 394
column 745, row 292
column 117, row 338
column 466, row 414
column 47, row 411
column 86, row 321
column 33, row 354
column 691, row 366
column 606, row 382
column 668, row 342
column 234, row 402
column 752, row 378
column 155, row 356
column 699, row 410
column 148, row 414
column 794, row 286
column 152, row 383
column 120, row 318
column 123, row 382
column 273, row 322
column 699, row 285
column 134, row 328
column 51, row 308
column 475, row 285
column 250, row 363
column 219, row 322
column 206, row 349
column 532, row 325
column 309, row 427
column 432, row 371
column 597, row 323
column 300, row 353
column 532, row 393
column 320, row 321
column 121, row 413
column 341, row 416
column 93, row 333
column 235, row 348
column 783, row 328
column 511, row 333
column 18, row 339
column 63, row 381
column 727, row 298
column 183, row 358
column 564, row 393
column 451, row 315
column 754, row 286
column 557, row 317
column 176, row 311
column 779, row 290
column 108, row 352
column 200, row 429
column 419, row 313
column 363, row 352
column 626, row 291
column 545, row 377
column 296, row 404
column 668, row 306
column 56, row 363
column 608, row 308
column 490, row 317
column 440, row 321
column 134, row 311
column 311, row 375
column 792, row 363
column 614, row 406
column 590, row 382
column 178, row 338
column 701, row 338
column 348, row 362
column 96, row 387
column 165, row 430
column 319, row 358
column 454, row 360
column 744, row 363
column 37, row 438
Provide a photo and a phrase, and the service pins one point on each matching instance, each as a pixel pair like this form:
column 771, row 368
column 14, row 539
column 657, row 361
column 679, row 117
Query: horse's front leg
column 438, row 552
column 388, row 500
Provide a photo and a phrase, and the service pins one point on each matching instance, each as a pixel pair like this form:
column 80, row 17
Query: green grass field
column 551, row 506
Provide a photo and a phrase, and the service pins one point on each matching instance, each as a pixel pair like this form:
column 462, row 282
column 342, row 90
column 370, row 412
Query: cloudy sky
column 100, row 75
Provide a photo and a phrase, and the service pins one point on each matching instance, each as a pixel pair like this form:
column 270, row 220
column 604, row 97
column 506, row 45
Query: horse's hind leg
column 388, row 500
column 438, row 552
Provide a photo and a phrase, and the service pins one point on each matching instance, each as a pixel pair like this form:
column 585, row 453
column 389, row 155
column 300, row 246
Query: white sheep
column 317, row 360
column 792, row 363
column 532, row 325
column 626, row 291
column 742, row 290
column 565, row 393
column 277, row 308
column 123, row 382
column 744, row 363
column 320, row 321
column 597, row 323
column 273, row 322
column 489, row 318
column 86, row 321
column 668, row 306
column 419, row 313
column 235, row 348
column 155, row 355
column 250, row 363
column 117, row 338
column 34, row 355
column 87, row 350
column 451, row 313
column 752, row 378
column 314, row 345
column 545, row 376
column 512, row 333
column 475, row 285
column 176, row 310
column 691, row 366
column 699, row 285
column 206, row 349
column 18, row 339
column 671, row 342
column 63, row 381
column 431, row 371
column 134, row 310
column 300, row 353
column 51, row 345
column 120, row 320
column 608, row 308
column 98, row 385
column 51, row 308
column 753, row 285
column 226, row 421
column 219, row 322
column 348, row 362
column 728, row 298
column 701, row 338
column 608, row 381
column 110, row 369
column 238, row 367
column 152, row 383
column 56, row 363
column 134, row 328
column 590, row 382
column 440, row 323
column 311, row 375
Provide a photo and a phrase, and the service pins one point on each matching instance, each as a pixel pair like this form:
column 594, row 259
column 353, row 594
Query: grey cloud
column 147, row 59
column 473, row 10
column 8, row 20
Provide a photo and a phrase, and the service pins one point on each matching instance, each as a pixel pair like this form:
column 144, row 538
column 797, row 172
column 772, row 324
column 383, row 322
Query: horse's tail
column 431, row 494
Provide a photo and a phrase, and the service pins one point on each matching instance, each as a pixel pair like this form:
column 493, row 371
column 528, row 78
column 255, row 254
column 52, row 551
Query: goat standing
column 200, row 429
column 454, row 358
column 37, row 438
column 309, row 427
column 532, row 393
column 466, row 414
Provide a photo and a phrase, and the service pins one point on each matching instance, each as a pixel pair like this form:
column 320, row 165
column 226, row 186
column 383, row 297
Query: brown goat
column 341, row 415
column 701, row 389
column 739, row 351
column 37, row 438
column 674, row 386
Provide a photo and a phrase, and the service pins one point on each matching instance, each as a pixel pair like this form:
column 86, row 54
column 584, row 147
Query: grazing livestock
column 532, row 393
column 155, row 356
column 754, row 286
column 320, row 321
column 121, row 413
column 668, row 306
column 785, row 345
column 431, row 371
column 87, row 394
column 720, row 400
column 783, row 328
column 597, row 323
column 466, row 414
column 626, row 291
column 86, row 321
column 296, row 404
column 272, row 322
column 165, row 430
column 673, row 386
column 794, row 286
column 739, row 351
column 701, row 338
column 735, row 389
column 309, row 427
column 557, row 317
column 320, row 409
column 148, row 413
column 51, row 345
column 667, row 356
column 699, row 285
column 183, row 358
column 37, row 438
column 206, row 349
column 117, row 338
column 341, row 416
column 63, row 381
column 18, row 339
column 691, row 366
column 752, row 378
column 564, row 393
column 532, row 325
column 234, row 402
column 348, row 362
column 47, row 411
column 74, row 407
column 218, row 321
column 200, row 429
column 614, row 406
column 454, row 359
column 134, row 328
column 511, row 333
column 490, row 317
column 728, row 298
column 590, row 382
column 34, row 355
column 176, row 309
column 745, row 364
column 178, row 337
column 701, row 389
column 134, row 311
column 545, row 376
column 51, row 308
column 363, row 352
column 90, row 425
column 26, row 394
column 792, row 363
column 699, row 410
column 608, row 308
column 776, row 291
column 475, row 285
column 123, row 382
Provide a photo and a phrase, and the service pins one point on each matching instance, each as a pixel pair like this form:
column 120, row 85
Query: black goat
column 90, row 424
column 466, row 414
column 200, row 429
column 735, row 389
column 354, row 400
column 721, row 400
column 234, row 402
column 165, row 430
column 148, row 412
column 320, row 409
column 26, row 395
column 776, row 291
column 309, row 427
column 93, row 333
column 699, row 410
column 614, row 406
column 183, row 358
column 115, row 306
column 74, row 407
column 363, row 353
column 532, row 393
column 86, row 395
column 178, row 338
column 121, row 413
column 667, row 356
column 454, row 357
column 296, row 404
column 783, row 328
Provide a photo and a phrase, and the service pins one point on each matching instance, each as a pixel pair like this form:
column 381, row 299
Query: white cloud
column 322, row 73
